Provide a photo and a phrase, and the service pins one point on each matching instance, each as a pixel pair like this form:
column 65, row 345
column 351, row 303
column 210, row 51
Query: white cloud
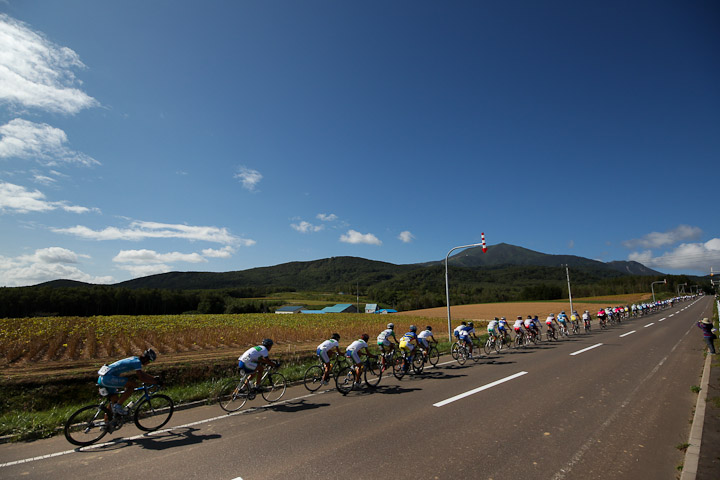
column 661, row 239
column 44, row 265
column 406, row 237
column 145, row 270
column 141, row 230
column 356, row 237
column 327, row 217
column 225, row 252
column 152, row 257
column 39, row 141
column 37, row 73
column 686, row 256
column 18, row 199
column 306, row 227
column 249, row 178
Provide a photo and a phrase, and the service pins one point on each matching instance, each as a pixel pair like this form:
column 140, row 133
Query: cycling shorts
column 407, row 346
column 247, row 368
column 323, row 356
column 112, row 383
column 424, row 343
column 385, row 342
column 465, row 338
column 355, row 356
column 563, row 321
column 518, row 329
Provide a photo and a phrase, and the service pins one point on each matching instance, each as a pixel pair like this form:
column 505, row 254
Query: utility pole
column 447, row 283
column 652, row 287
column 567, row 272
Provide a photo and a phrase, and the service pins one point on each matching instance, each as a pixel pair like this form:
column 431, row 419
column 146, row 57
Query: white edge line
column 585, row 349
column 628, row 333
column 479, row 389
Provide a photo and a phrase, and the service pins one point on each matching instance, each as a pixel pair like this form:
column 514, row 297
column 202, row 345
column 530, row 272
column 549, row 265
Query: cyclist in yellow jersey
column 408, row 342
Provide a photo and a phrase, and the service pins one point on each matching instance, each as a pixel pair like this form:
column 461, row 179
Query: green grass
column 695, row 389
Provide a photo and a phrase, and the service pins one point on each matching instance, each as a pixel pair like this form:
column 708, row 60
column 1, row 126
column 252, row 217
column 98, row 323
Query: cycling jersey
column 502, row 325
column 109, row 375
column 406, row 341
column 325, row 347
column 491, row 326
column 249, row 359
column 518, row 325
column 383, row 338
column 423, row 337
column 549, row 320
column 354, row 348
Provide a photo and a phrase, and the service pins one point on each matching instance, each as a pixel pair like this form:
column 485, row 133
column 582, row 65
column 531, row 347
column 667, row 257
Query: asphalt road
column 611, row 404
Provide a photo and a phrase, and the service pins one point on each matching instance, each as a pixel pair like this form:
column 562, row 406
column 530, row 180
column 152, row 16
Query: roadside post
column 652, row 287
column 447, row 287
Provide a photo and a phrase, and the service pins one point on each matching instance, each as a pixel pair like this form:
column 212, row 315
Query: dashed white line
column 585, row 349
column 664, row 318
column 479, row 389
column 652, row 323
column 628, row 333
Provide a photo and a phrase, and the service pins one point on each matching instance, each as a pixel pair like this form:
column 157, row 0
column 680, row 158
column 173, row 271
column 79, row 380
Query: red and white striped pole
column 484, row 248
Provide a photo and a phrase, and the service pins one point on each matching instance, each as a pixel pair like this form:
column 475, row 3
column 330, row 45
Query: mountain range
column 330, row 272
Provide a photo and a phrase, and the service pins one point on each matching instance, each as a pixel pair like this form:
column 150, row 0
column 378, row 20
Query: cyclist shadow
column 296, row 406
column 173, row 439
column 388, row 390
column 437, row 374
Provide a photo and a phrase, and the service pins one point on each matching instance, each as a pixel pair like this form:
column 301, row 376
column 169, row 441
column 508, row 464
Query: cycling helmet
column 413, row 328
column 150, row 354
column 428, row 328
column 365, row 337
column 497, row 318
column 520, row 317
column 503, row 318
column 336, row 336
column 563, row 312
column 267, row 343
column 470, row 324
column 391, row 326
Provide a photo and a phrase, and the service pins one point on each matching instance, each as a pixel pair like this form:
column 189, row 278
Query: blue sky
column 144, row 137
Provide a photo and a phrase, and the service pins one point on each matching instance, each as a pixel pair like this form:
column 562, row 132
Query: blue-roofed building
column 312, row 311
column 289, row 309
column 341, row 308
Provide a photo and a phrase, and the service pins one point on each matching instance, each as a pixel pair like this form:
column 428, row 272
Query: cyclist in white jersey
column 353, row 352
column 323, row 350
column 425, row 337
column 492, row 328
column 254, row 360
column 550, row 321
column 383, row 340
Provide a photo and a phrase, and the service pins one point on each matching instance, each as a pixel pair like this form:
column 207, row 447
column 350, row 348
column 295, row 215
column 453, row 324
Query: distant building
column 386, row 310
column 371, row 308
column 341, row 308
column 312, row 311
column 290, row 309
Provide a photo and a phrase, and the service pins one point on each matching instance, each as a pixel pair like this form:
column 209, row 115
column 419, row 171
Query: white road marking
column 652, row 323
column 664, row 318
column 626, row 334
column 585, row 349
column 479, row 389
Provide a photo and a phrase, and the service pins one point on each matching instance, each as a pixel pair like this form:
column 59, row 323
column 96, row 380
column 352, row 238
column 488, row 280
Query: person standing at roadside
column 708, row 335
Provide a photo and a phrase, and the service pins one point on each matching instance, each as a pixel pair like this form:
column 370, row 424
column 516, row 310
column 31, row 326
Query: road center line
column 664, row 318
column 628, row 333
column 585, row 349
column 479, row 389
column 652, row 323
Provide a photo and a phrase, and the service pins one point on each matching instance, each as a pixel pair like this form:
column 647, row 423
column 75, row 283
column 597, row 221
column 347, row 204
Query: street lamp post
column 447, row 284
column 652, row 287
column 567, row 272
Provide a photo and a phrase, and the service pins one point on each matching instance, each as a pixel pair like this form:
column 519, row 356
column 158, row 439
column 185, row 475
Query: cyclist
column 109, row 376
column 408, row 342
column 353, row 352
column 575, row 319
column 423, row 338
column 255, row 359
column 323, row 350
column 550, row 322
column 492, row 329
column 383, row 340
column 562, row 320
column 586, row 318
column 531, row 327
column 601, row 317
column 503, row 328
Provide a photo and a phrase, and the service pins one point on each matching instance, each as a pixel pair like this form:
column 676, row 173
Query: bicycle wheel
column 497, row 345
column 345, row 380
column 313, row 378
column 488, row 346
column 233, row 395
column 462, row 355
column 518, row 341
column 153, row 412
column 418, row 362
column 433, row 356
column 454, row 350
column 273, row 387
column 373, row 373
column 86, row 426
column 398, row 367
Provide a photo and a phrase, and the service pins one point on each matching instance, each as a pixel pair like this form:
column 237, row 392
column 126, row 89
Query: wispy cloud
column 37, row 73
column 18, row 199
column 225, row 252
column 327, row 217
column 39, row 141
column 139, row 230
column 150, row 256
column 662, row 239
column 355, row 237
column 406, row 237
column 43, row 265
column 306, row 227
column 686, row 256
column 248, row 177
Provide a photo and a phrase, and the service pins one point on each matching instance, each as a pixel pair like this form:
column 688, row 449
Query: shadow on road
column 176, row 438
column 297, row 406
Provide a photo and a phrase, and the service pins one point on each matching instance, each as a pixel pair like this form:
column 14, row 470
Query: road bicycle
column 314, row 375
column 551, row 334
column 575, row 327
column 235, row 392
column 407, row 360
column 519, row 339
column 563, row 331
column 387, row 359
column 460, row 352
column 149, row 412
column 505, row 340
column 432, row 355
column 369, row 370
column 492, row 344
column 587, row 326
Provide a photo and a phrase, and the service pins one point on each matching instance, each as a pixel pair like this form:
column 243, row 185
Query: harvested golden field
column 487, row 311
